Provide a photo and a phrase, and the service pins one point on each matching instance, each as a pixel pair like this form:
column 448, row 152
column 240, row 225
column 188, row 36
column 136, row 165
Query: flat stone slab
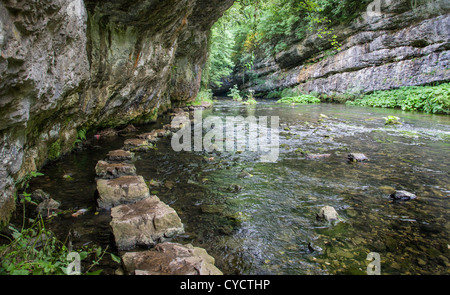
column 107, row 170
column 170, row 259
column 144, row 223
column 120, row 155
column 121, row 190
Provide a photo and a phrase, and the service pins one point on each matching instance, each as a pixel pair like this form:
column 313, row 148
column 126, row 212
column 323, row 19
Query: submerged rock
column 39, row 195
column 403, row 196
column 144, row 223
column 46, row 207
column 122, row 190
column 317, row 156
column 171, row 259
column 357, row 157
column 328, row 213
column 120, row 155
column 107, row 170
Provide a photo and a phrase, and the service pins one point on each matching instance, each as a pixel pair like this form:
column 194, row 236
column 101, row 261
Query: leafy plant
column 81, row 136
column 36, row 251
column 54, row 151
column 235, row 94
column 250, row 98
column 204, row 96
column 429, row 99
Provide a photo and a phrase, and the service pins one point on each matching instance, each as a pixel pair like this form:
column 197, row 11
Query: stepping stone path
column 140, row 219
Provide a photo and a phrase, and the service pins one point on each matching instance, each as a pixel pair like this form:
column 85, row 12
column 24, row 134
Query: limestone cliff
column 401, row 46
column 72, row 64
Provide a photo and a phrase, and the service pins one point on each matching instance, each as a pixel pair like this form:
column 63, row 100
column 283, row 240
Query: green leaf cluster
column 429, row 99
column 301, row 99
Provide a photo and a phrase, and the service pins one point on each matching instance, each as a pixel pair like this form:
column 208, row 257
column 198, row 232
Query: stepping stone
column 357, row 157
column 162, row 132
column 137, row 145
column 144, row 223
column 120, row 155
column 150, row 136
column 107, row 170
column 170, row 259
column 122, row 190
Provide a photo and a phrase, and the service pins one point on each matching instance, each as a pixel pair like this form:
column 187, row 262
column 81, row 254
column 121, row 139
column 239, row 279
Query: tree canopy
column 263, row 28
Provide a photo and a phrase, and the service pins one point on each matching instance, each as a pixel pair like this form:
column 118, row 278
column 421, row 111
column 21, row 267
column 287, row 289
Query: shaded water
column 262, row 221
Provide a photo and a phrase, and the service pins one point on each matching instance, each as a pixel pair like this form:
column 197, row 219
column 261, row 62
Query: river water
column 259, row 217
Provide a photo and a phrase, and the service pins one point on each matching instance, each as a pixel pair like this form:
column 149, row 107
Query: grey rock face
column 67, row 64
column 403, row 47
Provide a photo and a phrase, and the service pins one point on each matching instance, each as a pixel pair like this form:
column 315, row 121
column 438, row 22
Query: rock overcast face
column 71, row 63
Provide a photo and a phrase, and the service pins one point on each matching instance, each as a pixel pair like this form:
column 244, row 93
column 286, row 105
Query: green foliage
column 33, row 251
column 36, row 251
column 219, row 64
column 429, row 99
column 235, row 94
column 54, row 151
column 301, row 99
column 81, row 136
column 204, row 96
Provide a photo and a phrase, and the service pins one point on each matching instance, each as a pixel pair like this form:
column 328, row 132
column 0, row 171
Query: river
column 259, row 217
